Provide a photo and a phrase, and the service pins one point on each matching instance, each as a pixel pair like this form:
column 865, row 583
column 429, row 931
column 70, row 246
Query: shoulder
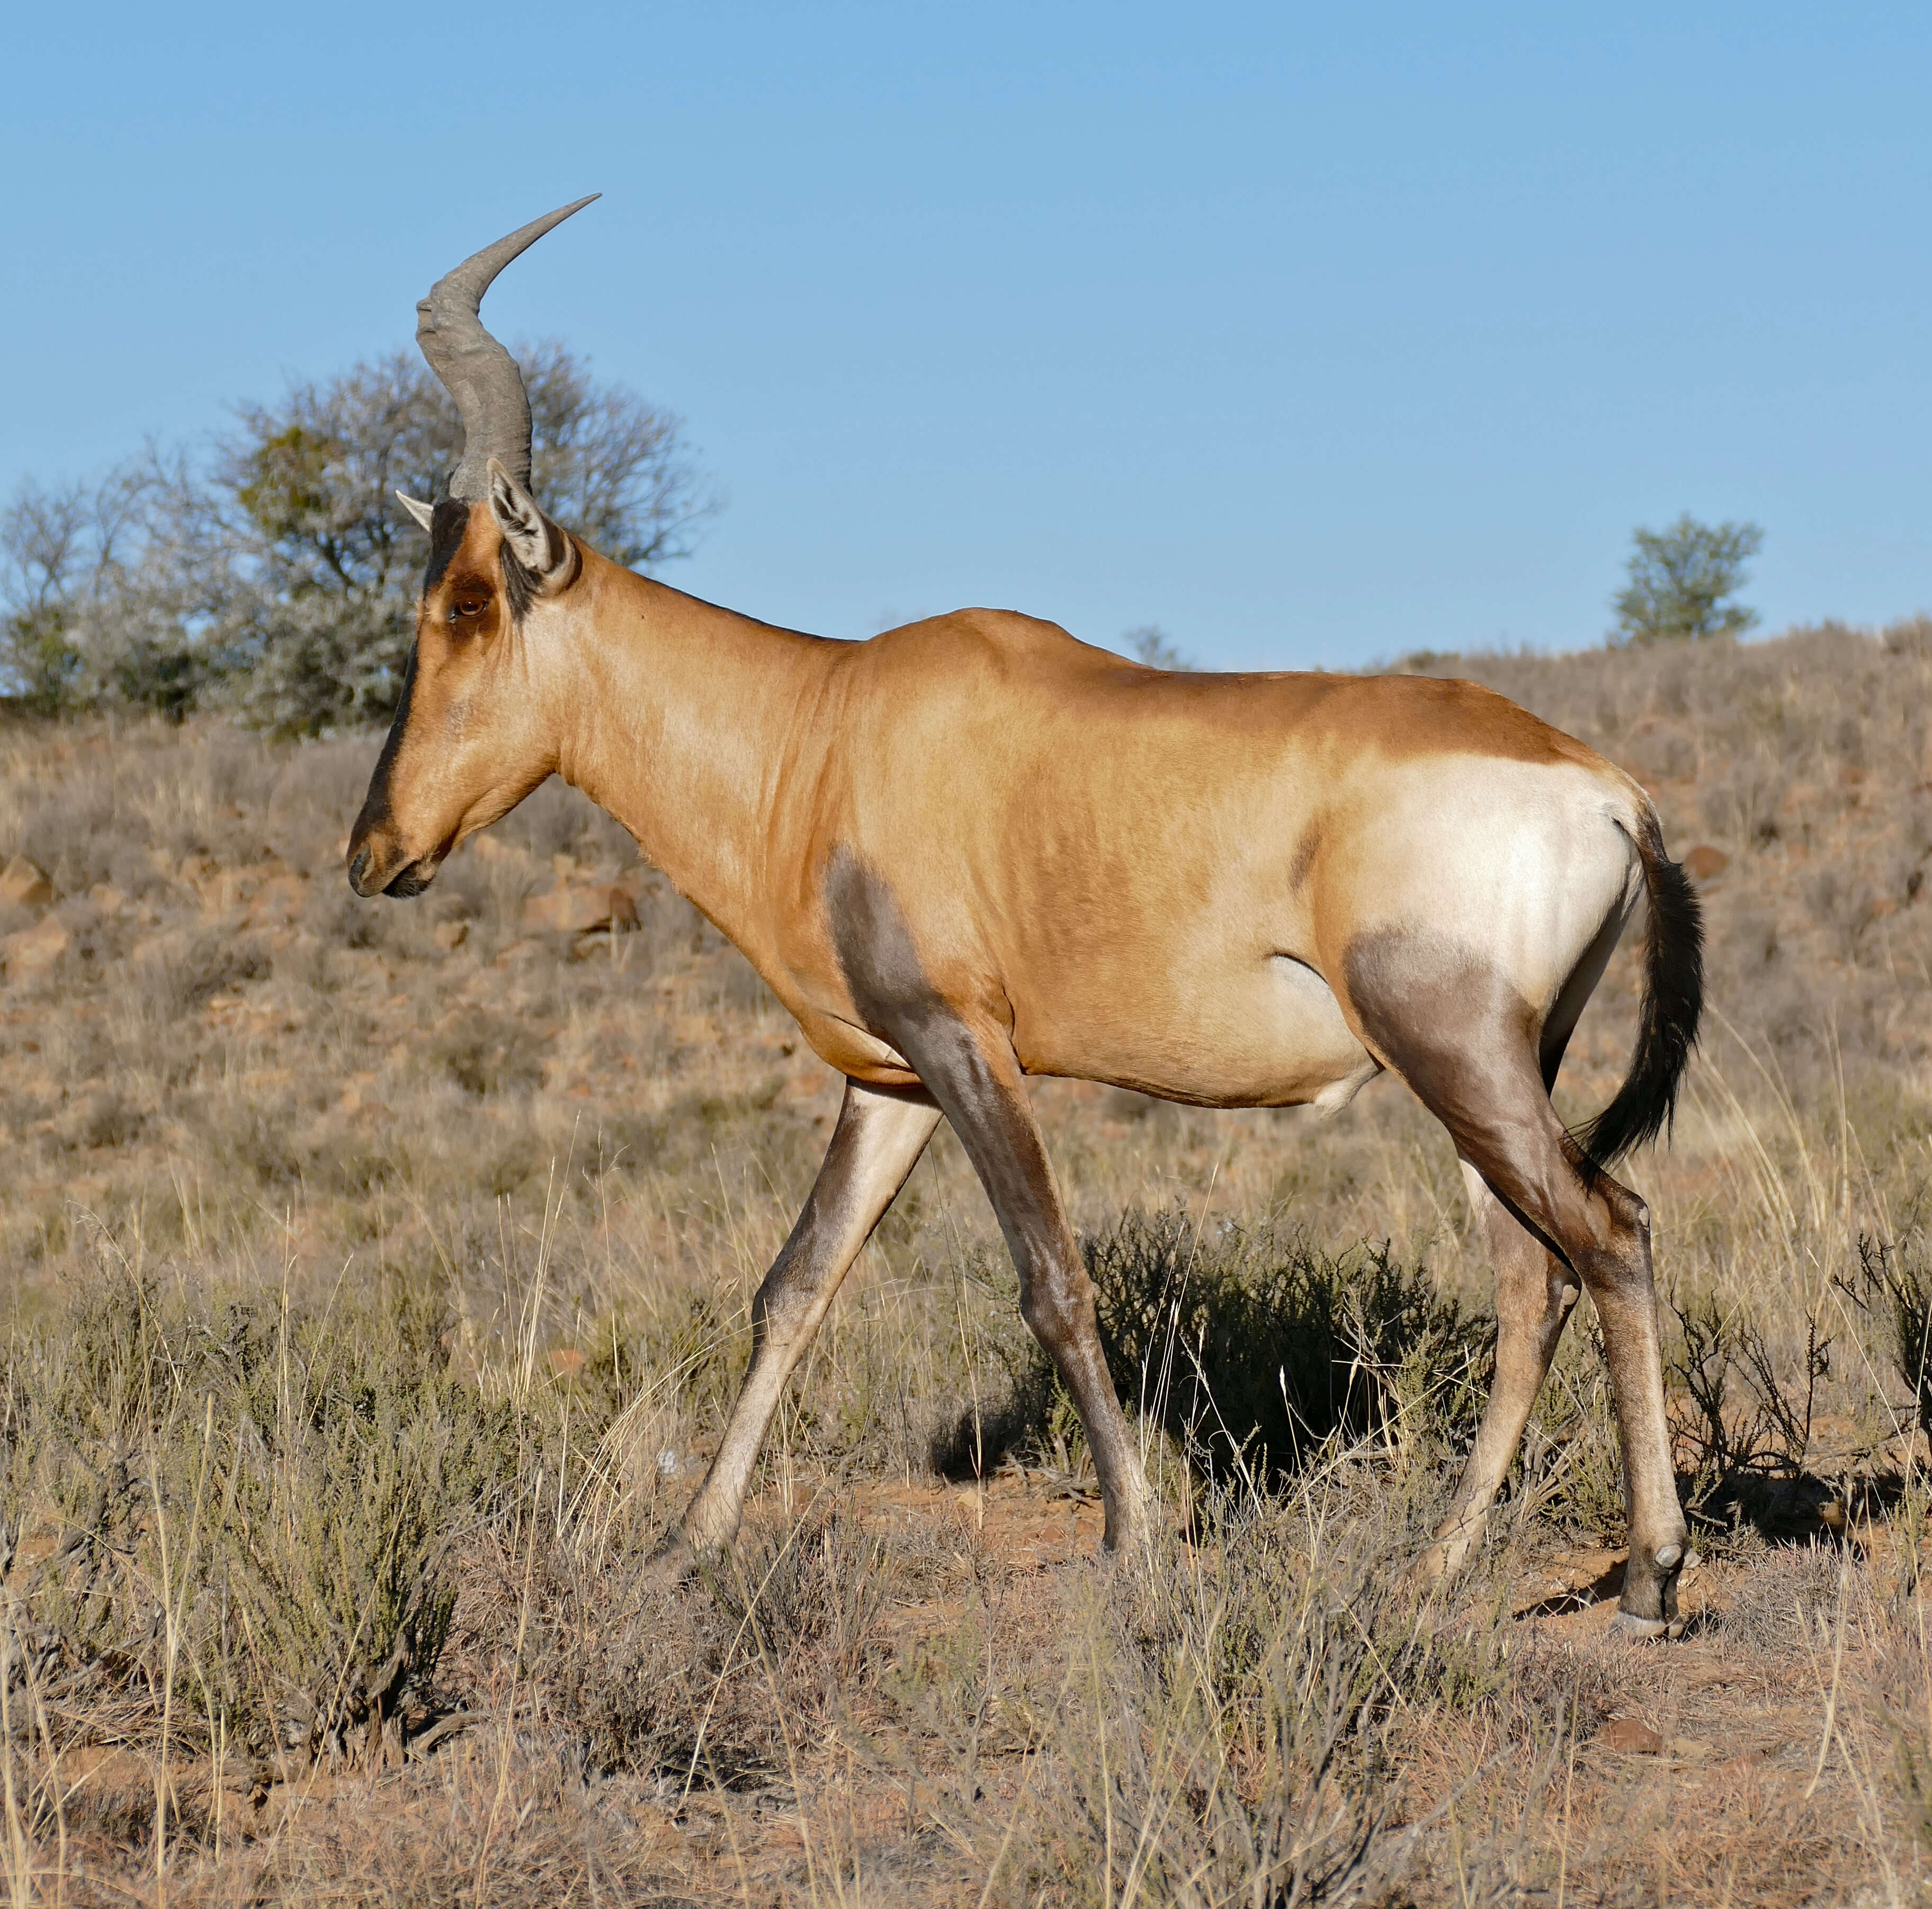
column 1002, row 641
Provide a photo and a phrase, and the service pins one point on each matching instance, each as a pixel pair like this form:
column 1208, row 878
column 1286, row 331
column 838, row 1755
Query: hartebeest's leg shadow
column 880, row 1135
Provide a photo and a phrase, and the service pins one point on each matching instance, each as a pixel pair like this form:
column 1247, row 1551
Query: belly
column 1267, row 1033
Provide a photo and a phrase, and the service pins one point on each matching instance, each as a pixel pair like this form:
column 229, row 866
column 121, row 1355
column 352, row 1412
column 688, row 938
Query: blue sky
column 1314, row 335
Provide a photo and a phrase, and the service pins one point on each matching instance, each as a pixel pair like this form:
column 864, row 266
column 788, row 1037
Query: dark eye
column 467, row 608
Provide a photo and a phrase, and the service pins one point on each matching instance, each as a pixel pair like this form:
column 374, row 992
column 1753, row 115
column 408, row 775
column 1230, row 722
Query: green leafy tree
column 1681, row 579
column 315, row 606
column 277, row 574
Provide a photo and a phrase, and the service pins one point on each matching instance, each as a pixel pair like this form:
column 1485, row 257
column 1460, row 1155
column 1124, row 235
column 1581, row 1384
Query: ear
column 422, row 513
column 550, row 557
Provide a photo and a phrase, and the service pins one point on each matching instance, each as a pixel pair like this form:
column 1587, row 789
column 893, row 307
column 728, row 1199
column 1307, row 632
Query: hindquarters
column 1474, row 1019
column 1494, row 924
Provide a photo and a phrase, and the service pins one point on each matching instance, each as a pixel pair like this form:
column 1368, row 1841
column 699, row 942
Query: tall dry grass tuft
column 230, row 1520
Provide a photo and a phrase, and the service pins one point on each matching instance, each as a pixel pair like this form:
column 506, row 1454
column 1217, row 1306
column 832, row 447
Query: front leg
column 972, row 1072
column 881, row 1133
column 965, row 1059
column 974, row 1076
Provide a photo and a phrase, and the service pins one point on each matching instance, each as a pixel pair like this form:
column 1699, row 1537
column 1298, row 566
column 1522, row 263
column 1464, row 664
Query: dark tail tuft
column 1673, row 999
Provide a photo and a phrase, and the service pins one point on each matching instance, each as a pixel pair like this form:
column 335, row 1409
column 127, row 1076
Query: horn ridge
column 474, row 369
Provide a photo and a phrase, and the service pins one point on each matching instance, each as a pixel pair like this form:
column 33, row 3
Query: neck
column 680, row 719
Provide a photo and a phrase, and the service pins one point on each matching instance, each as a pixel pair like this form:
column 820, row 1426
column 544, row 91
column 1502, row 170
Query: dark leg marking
column 1466, row 1043
column 966, row 1060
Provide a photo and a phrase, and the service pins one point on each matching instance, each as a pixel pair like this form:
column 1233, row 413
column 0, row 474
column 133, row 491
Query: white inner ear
column 540, row 547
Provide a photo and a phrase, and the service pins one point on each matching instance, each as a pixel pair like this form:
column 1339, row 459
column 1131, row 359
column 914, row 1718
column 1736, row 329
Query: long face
column 470, row 738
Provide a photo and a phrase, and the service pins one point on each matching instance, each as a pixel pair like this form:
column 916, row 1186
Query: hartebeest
column 974, row 849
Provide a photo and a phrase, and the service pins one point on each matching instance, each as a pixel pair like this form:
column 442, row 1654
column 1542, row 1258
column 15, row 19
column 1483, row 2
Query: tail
column 1673, row 999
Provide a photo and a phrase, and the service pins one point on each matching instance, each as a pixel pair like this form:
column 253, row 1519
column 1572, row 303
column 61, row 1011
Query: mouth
column 408, row 882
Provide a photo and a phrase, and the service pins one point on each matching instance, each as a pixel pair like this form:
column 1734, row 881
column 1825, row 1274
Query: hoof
column 671, row 1566
column 1649, row 1601
column 1624, row 1624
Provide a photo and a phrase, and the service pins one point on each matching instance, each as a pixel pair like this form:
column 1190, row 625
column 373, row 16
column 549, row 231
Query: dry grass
column 379, row 1278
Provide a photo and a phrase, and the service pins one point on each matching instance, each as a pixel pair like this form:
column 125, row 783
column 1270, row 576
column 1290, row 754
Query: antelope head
column 469, row 740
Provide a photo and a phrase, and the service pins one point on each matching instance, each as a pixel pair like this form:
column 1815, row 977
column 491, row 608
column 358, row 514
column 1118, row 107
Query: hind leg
column 1603, row 1230
column 1535, row 1291
column 1466, row 1043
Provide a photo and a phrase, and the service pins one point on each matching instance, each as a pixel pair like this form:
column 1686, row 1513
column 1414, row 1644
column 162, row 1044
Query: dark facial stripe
column 376, row 805
column 448, row 524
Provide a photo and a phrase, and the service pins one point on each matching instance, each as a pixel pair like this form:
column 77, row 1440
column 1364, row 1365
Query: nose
column 359, row 871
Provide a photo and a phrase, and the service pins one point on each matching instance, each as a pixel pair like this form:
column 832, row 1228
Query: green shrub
column 1254, row 1349
column 1681, row 579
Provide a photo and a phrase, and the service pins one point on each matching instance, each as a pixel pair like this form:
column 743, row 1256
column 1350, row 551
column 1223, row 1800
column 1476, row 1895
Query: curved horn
column 477, row 371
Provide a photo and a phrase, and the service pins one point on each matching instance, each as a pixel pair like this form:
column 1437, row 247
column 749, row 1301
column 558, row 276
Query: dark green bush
column 1254, row 1349
column 1259, row 1346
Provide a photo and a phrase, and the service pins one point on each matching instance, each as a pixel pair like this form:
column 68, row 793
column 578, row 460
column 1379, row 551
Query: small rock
column 565, row 1361
column 571, row 908
column 33, row 951
column 1631, row 1737
column 1705, row 864
column 107, row 897
column 356, row 1093
column 451, row 934
column 23, row 884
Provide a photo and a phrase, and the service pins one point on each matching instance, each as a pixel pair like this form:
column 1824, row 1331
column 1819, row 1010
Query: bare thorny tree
column 276, row 572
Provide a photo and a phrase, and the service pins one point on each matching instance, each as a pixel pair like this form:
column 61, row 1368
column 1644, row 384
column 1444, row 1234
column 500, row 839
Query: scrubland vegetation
column 378, row 1281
